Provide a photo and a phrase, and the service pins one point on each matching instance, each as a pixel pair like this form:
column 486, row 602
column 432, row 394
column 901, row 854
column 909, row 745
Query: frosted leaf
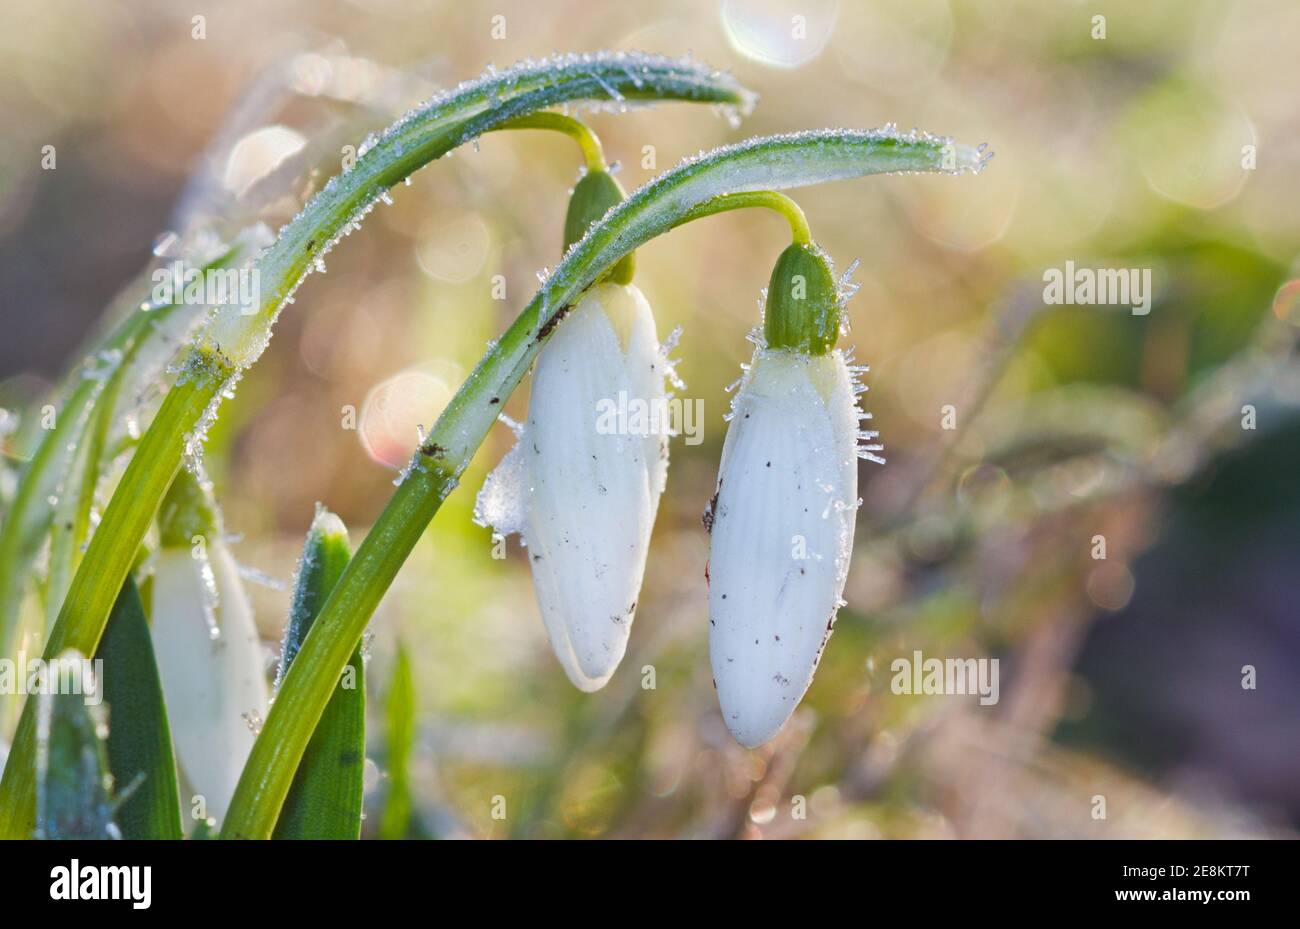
column 244, row 338
column 195, row 439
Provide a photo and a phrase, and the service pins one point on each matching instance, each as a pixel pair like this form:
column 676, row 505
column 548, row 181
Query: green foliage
column 139, row 737
column 324, row 801
column 399, row 711
column 72, row 777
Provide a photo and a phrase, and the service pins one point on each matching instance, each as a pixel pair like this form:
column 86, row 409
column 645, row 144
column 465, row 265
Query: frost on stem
column 435, row 128
column 776, row 162
column 198, row 436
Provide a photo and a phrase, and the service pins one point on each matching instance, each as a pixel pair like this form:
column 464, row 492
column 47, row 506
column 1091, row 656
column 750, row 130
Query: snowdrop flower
column 209, row 655
column 582, row 484
column 782, row 519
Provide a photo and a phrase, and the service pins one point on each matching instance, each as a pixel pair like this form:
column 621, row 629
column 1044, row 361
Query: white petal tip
column 752, row 740
column 598, row 662
column 587, row 683
column 753, row 726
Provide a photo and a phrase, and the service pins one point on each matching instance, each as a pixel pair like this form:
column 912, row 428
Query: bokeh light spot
column 780, row 33
column 396, row 410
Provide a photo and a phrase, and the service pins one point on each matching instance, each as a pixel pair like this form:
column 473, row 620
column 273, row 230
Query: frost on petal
column 213, row 686
column 502, row 502
column 781, row 536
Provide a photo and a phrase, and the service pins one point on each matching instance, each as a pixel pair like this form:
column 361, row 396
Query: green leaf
column 324, row 801
column 73, row 783
column 400, row 712
column 139, row 737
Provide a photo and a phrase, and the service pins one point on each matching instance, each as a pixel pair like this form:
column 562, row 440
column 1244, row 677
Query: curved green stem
column 575, row 129
column 767, row 199
column 426, row 135
column 435, row 469
column 236, row 336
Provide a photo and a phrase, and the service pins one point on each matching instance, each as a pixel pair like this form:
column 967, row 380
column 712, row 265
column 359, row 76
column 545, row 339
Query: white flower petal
column 647, row 369
column 782, row 533
column 210, row 685
column 592, row 491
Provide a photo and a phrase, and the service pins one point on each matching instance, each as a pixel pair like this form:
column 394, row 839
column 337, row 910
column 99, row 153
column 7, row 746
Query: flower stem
column 274, row 760
column 575, row 129
column 767, row 199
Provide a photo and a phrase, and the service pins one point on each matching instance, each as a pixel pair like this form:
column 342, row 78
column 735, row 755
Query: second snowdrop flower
column 210, row 657
column 783, row 517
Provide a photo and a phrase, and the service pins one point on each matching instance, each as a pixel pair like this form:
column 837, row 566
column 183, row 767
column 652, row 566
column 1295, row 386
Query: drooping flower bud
column 209, row 655
column 582, row 483
column 803, row 308
column 783, row 517
column 593, row 196
column 588, row 477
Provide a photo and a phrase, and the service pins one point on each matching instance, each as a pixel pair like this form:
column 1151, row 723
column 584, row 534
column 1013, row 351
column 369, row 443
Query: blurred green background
column 1120, row 678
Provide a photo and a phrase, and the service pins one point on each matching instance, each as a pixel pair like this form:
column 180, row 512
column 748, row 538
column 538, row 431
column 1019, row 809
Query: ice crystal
column 502, row 502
